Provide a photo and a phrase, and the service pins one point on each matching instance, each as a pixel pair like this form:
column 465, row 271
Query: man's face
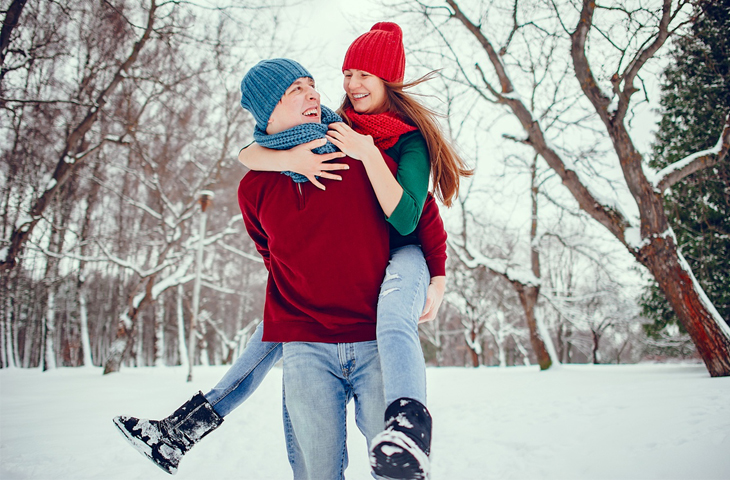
column 299, row 104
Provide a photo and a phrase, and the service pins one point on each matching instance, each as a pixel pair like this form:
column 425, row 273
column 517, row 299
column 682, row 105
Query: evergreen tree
column 695, row 101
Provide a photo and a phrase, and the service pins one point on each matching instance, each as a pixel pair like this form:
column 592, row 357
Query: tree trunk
column 472, row 348
column 523, row 352
column 8, row 360
column 181, row 338
column 49, row 330
column 84, row 327
column 29, row 341
column 125, row 327
column 12, row 16
column 139, row 343
column 528, row 298
column 709, row 332
column 594, row 349
column 160, row 333
column 528, row 293
column 117, row 350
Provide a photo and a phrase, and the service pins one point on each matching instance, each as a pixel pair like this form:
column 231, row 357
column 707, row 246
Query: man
column 326, row 253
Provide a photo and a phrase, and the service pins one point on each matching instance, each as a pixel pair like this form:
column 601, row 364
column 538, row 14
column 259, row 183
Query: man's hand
column 299, row 159
column 434, row 297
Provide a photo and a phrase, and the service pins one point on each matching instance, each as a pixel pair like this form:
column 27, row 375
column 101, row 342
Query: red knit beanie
column 379, row 52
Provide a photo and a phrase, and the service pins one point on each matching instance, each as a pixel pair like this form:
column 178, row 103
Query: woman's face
column 365, row 91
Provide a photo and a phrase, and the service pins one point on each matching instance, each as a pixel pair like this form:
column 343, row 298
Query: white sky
column 327, row 27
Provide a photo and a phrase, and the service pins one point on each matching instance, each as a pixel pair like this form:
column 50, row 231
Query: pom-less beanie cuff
column 264, row 85
column 379, row 52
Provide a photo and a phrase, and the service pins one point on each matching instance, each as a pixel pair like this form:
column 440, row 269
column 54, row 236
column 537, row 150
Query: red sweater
column 326, row 253
column 432, row 237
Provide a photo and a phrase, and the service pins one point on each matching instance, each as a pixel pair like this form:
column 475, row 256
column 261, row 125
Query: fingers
column 427, row 307
column 429, row 313
column 427, row 317
column 326, row 175
column 331, row 167
column 316, row 182
column 339, row 126
column 334, row 135
column 313, row 144
column 329, row 176
column 335, row 141
column 325, row 157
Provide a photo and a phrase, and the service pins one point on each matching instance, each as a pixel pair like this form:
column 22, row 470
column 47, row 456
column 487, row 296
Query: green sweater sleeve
column 414, row 169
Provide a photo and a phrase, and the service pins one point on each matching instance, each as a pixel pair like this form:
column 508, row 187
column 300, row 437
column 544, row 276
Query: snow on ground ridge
column 579, row 422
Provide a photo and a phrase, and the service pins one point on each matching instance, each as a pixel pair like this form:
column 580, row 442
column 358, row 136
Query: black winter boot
column 401, row 451
column 166, row 441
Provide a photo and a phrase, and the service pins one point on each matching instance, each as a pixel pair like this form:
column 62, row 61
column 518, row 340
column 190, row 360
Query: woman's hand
column 362, row 147
column 313, row 165
column 356, row 146
column 434, row 297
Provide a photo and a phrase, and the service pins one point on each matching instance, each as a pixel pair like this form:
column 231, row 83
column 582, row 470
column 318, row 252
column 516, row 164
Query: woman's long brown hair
column 446, row 166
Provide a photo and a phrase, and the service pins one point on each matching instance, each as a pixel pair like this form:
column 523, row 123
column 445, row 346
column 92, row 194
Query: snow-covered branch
column 241, row 253
column 470, row 257
column 678, row 171
column 228, row 230
column 218, row 288
column 131, row 266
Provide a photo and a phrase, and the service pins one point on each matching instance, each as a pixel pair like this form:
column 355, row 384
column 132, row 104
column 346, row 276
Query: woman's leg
column 246, row 374
column 400, row 304
column 166, row 441
column 402, row 449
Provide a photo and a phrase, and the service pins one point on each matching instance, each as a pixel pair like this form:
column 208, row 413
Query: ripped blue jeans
column 401, row 302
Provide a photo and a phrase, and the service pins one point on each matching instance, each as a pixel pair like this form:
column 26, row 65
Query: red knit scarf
column 385, row 128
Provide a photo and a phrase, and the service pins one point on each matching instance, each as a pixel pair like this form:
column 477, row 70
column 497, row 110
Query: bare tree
column 525, row 282
column 134, row 103
column 643, row 31
column 77, row 146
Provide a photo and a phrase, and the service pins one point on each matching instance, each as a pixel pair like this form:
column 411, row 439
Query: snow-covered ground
column 578, row 422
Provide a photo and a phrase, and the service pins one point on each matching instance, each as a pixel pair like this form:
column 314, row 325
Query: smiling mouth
column 359, row 96
column 312, row 112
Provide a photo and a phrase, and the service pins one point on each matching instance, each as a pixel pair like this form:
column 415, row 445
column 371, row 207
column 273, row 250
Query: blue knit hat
column 264, row 85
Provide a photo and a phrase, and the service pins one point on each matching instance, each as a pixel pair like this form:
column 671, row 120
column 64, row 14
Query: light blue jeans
column 245, row 375
column 400, row 304
column 320, row 379
column 401, row 301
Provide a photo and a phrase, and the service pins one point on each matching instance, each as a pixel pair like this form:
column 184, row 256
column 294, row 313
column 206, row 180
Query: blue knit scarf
column 303, row 133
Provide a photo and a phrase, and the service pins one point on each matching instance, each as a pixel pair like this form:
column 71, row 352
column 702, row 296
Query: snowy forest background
column 119, row 116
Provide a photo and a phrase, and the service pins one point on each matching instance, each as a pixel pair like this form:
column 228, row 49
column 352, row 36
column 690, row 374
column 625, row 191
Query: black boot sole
column 395, row 457
column 141, row 446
